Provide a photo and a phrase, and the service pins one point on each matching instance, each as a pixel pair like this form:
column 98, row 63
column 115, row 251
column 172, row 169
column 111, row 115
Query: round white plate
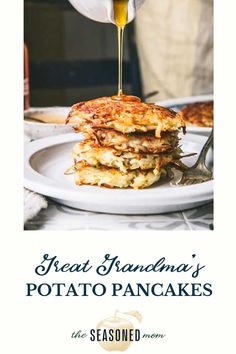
column 178, row 103
column 47, row 159
column 34, row 129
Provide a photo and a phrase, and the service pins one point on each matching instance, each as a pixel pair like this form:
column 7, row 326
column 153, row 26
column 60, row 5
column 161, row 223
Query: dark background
column 72, row 58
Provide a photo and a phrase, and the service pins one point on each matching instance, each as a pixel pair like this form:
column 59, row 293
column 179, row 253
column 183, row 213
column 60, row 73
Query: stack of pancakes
column 127, row 143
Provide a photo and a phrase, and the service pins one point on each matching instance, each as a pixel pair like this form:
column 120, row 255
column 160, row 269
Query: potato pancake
column 114, row 178
column 134, row 142
column 124, row 116
column 198, row 114
column 95, row 155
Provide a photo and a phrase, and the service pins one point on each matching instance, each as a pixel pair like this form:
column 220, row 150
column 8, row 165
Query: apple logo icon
column 112, row 330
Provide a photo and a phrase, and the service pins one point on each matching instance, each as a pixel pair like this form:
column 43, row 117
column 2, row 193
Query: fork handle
column 202, row 157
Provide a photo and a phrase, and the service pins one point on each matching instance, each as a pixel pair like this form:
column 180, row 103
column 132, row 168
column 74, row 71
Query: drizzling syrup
column 121, row 16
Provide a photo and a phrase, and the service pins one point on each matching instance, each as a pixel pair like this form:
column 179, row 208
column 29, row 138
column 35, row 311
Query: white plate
column 178, row 103
column 36, row 130
column 47, row 159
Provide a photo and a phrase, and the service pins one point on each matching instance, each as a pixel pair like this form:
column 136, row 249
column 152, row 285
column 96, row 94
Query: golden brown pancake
column 114, row 178
column 124, row 116
column 96, row 155
column 199, row 114
column 134, row 142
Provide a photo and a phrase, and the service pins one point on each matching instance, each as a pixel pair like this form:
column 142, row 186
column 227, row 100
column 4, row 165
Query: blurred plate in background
column 178, row 103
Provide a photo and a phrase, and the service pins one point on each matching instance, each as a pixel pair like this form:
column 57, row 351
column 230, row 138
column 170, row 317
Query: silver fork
column 199, row 172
